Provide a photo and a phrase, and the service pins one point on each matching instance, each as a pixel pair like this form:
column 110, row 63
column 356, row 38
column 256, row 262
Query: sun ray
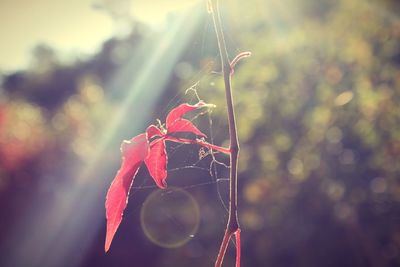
column 64, row 229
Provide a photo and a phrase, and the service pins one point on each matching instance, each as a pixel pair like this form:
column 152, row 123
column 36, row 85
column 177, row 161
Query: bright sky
column 69, row 26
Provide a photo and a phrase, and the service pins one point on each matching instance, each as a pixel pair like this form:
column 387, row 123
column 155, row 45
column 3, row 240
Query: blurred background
column 318, row 120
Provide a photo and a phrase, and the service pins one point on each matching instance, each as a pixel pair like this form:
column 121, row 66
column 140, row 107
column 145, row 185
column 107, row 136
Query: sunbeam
column 59, row 233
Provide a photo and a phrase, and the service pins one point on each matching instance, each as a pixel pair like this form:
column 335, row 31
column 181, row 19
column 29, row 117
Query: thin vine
column 232, row 227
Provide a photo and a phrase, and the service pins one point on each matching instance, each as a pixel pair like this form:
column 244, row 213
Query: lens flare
column 170, row 218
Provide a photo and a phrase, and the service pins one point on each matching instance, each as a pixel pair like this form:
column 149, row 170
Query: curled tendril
column 239, row 57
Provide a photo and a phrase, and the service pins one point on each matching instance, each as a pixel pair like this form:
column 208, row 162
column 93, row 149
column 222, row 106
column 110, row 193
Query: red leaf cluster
column 148, row 147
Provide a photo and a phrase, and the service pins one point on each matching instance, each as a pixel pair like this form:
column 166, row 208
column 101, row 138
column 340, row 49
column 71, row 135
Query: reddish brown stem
column 222, row 249
column 238, row 249
column 233, row 223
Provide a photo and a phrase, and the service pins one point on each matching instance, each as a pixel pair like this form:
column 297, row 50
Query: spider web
column 198, row 158
column 205, row 159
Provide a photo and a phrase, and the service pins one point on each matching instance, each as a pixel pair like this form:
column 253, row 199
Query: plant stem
column 238, row 252
column 233, row 223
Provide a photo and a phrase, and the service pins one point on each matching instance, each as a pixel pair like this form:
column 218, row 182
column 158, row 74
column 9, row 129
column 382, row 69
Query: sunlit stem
column 233, row 223
column 238, row 250
column 222, row 248
column 224, row 245
column 239, row 57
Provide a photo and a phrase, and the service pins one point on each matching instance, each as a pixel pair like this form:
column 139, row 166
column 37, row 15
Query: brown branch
column 227, row 70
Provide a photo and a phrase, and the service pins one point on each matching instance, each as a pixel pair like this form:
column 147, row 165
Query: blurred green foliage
column 318, row 118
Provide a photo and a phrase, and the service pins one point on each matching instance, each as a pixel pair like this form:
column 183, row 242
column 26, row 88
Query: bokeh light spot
column 251, row 219
column 335, row 191
column 256, row 191
column 269, row 157
column 282, row 141
column 344, row 98
column 295, row 167
column 92, row 93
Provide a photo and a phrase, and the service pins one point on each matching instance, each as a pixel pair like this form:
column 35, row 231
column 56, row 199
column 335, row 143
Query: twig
column 232, row 227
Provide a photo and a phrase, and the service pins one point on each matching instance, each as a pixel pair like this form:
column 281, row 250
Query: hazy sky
column 69, row 26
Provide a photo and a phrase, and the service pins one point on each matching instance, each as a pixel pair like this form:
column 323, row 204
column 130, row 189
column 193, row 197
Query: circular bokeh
column 170, row 217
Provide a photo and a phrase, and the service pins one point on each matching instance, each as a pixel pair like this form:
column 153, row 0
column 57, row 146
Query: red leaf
column 181, row 110
column 198, row 142
column 156, row 162
column 152, row 131
column 133, row 154
column 183, row 125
